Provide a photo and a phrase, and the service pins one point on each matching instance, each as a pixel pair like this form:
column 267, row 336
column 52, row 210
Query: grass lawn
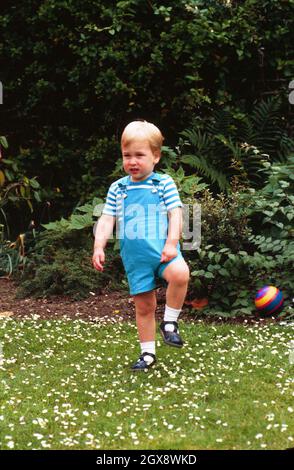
column 66, row 384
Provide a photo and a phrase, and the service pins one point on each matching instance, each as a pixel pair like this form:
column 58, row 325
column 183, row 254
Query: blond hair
column 142, row 130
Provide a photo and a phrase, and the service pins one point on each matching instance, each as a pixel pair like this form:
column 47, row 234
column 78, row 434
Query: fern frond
column 247, row 131
column 265, row 111
column 204, row 168
column 286, row 148
column 233, row 148
column 265, row 119
column 221, row 123
column 200, row 141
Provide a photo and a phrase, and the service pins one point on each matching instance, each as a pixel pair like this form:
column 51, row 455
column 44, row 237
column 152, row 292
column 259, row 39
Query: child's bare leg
column 177, row 276
column 145, row 315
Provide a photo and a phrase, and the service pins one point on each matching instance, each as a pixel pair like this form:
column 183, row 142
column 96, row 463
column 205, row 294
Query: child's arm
column 175, row 226
column 104, row 230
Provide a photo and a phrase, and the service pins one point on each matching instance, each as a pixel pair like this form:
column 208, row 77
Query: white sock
column 148, row 347
column 171, row 314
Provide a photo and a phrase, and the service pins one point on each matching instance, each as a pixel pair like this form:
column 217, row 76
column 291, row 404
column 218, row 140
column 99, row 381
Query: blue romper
column 141, row 209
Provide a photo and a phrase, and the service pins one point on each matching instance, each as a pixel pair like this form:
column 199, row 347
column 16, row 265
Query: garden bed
column 117, row 306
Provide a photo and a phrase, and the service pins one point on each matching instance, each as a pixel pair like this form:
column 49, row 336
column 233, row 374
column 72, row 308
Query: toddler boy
column 148, row 211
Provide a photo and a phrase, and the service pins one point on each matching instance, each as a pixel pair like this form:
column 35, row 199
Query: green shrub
column 76, row 72
column 17, row 192
column 247, row 242
column 271, row 207
column 60, row 263
column 229, row 144
column 60, row 260
column 11, row 257
column 217, row 268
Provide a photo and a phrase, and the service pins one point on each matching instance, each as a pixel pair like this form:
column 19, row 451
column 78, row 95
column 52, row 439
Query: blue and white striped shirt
column 166, row 188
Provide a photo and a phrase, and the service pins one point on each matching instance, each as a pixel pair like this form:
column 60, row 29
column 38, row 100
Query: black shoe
column 172, row 338
column 141, row 364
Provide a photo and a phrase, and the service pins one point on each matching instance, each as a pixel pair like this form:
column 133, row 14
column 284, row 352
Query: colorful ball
column 269, row 300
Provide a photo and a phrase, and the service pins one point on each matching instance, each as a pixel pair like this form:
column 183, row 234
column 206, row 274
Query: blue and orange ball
column 269, row 300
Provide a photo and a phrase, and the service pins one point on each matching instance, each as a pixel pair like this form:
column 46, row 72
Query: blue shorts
column 142, row 277
column 142, row 215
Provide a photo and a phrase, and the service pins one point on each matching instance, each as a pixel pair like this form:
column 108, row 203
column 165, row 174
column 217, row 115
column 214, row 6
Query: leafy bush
column 60, row 260
column 217, row 267
column 272, row 206
column 16, row 191
column 247, row 242
column 11, row 254
column 75, row 72
column 78, row 221
column 227, row 144
column 61, row 264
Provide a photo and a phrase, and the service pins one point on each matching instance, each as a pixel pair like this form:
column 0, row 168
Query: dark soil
column 108, row 305
column 116, row 306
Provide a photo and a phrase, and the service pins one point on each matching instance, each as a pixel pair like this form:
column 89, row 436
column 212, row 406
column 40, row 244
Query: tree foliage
column 75, row 72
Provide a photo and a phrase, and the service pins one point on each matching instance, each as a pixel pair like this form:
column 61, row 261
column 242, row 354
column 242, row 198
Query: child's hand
column 169, row 252
column 98, row 259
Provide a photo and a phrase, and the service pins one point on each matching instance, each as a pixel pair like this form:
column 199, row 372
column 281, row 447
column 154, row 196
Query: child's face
column 139, row 159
